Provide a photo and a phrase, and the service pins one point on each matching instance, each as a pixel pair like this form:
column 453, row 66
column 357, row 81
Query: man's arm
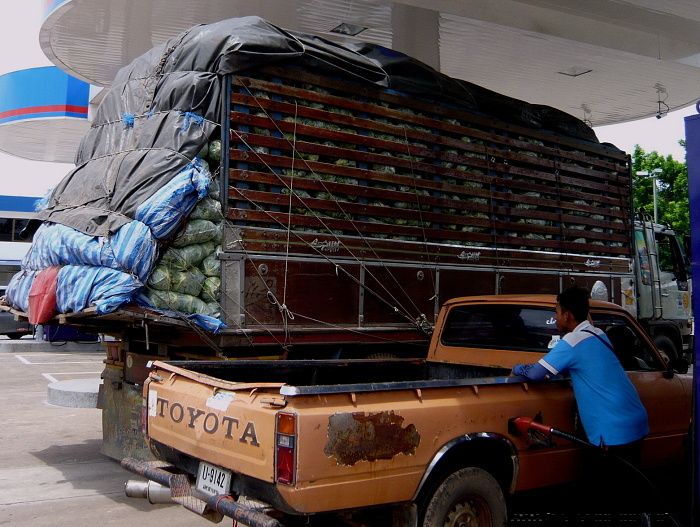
column 534, row 372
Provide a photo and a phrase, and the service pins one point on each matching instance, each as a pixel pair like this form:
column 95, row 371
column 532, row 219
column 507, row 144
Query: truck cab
column 662, row 274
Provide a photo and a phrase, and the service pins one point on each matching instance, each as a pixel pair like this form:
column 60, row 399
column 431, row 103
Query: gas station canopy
column 605, row 61
column 43, row 114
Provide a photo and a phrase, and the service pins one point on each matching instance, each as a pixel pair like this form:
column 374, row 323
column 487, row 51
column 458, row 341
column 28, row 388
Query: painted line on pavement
column 71, row 372
column 49, row 377
column 24, row 360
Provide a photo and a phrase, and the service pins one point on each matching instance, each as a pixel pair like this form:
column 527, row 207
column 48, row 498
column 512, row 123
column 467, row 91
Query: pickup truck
column 426, row 441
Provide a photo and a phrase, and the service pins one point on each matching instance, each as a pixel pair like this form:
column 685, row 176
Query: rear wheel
column 469, row 497
column 666, row 345
column 14, row 336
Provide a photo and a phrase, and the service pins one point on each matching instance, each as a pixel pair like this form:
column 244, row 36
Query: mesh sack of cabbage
column 186, row 277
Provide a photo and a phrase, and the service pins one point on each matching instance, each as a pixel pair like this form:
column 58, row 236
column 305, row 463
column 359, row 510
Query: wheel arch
column 670, row 331
column 488, row 450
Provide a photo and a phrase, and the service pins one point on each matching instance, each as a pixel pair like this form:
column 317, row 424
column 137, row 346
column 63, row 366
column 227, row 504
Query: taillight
column 285, row 440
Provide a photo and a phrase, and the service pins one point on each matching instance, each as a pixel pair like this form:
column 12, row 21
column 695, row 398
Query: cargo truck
column 360, row 190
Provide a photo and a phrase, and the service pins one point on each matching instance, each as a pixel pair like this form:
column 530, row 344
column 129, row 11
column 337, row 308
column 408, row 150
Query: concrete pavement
column 51, row 470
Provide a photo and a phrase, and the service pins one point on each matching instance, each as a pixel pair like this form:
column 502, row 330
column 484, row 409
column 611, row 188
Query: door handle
column 665, row 294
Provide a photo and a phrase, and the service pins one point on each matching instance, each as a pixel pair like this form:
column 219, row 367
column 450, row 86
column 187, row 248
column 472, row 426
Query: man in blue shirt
column 611, row 412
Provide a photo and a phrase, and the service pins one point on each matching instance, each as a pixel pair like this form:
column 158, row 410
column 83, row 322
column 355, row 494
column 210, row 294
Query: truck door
column 644, row 274
column 675, row 298
column 665, row 399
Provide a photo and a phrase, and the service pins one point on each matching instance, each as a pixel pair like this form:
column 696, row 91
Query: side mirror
column 679, row 365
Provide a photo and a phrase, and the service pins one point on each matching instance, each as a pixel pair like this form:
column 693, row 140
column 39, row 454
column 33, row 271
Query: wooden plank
column 466, row 217
column 435, row 199
column 506, row 157
column 349, row 208
column 421, row 183
column 271, row 241
column 297, row 220
column 251, row 141
column 373, row 92
column 270, row 106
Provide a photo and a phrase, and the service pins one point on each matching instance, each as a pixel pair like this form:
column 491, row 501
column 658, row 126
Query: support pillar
column 416, row 32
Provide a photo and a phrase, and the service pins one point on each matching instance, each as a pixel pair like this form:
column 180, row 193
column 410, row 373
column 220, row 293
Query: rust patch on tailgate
column 358, row 436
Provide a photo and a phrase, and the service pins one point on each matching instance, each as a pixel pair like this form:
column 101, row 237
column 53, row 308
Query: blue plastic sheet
column 206, row 322
column 79, row 287
column 132, row 249
column 165, row 210
column 17, row 292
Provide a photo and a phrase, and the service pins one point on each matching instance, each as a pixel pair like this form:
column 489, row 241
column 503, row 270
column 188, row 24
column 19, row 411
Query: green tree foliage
column 672, row 189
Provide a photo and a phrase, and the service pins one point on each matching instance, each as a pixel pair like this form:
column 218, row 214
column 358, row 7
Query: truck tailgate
column 225, row 423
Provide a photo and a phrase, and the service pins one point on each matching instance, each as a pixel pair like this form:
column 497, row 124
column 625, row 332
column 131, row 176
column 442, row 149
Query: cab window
column 671, row 256
column 629, row 345
column 510, row 327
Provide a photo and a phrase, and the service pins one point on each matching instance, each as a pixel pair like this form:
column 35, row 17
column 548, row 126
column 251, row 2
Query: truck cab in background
column 663, row 286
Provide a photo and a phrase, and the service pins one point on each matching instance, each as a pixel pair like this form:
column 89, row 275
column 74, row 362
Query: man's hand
column 533, row 372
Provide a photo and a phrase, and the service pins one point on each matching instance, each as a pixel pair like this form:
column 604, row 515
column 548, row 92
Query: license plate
column 213, row 480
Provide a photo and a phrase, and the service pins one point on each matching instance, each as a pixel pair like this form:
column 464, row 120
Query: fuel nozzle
column 539, row 433
column 522, row 426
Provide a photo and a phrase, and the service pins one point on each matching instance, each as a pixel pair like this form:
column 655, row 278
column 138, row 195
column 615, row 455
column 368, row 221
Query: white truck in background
column 659, row 294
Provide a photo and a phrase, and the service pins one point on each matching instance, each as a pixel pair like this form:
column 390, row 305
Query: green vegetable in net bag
column 196, row 231
column 214, row 310
column 214, row 191
column 188, row 282
column 219, row 235
column 211, row 289
column 191, row 304
column 211, row 265
column 215, row 150
column 162, row 299
column 160, row 278
column 204, row 152
column 181, row 302
column 207, row 209
column 182, row 258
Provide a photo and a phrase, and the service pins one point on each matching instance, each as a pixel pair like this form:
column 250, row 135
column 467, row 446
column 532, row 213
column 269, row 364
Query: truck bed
column 306, row 377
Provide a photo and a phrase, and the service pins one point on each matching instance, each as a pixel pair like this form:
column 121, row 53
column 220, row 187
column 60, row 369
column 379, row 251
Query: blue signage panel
column 41, row 93
column 692, row 156
column 17, row 203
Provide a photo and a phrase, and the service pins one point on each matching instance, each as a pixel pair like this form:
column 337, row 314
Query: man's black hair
column 575, row 300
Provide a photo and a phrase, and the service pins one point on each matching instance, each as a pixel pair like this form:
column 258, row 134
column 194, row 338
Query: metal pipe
column 227, row 506
column 154, row 492
column 143, row 469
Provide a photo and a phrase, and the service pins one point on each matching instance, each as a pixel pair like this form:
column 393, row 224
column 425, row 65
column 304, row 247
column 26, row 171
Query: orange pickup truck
column 425, row 442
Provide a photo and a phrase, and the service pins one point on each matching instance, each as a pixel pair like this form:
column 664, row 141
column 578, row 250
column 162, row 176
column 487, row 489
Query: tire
column 14, row 336
column 469, row 497
column 666, row 345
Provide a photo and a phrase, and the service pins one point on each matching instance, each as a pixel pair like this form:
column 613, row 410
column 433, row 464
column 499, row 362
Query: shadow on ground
column 83, row 469
column 592, row 503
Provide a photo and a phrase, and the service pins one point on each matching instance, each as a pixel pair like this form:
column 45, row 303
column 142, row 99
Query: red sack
column 42, row 296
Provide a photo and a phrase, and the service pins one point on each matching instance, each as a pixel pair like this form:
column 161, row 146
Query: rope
column 317, row 217
column 420, row 212
column 336, row 201
column 350, row 330
column 283, row 308
column 337, row 266
column 421, row 322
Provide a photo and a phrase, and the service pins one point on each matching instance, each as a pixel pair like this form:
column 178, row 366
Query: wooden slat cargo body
column 352, row 206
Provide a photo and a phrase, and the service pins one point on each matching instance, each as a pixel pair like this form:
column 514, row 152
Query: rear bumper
column 206, row 506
